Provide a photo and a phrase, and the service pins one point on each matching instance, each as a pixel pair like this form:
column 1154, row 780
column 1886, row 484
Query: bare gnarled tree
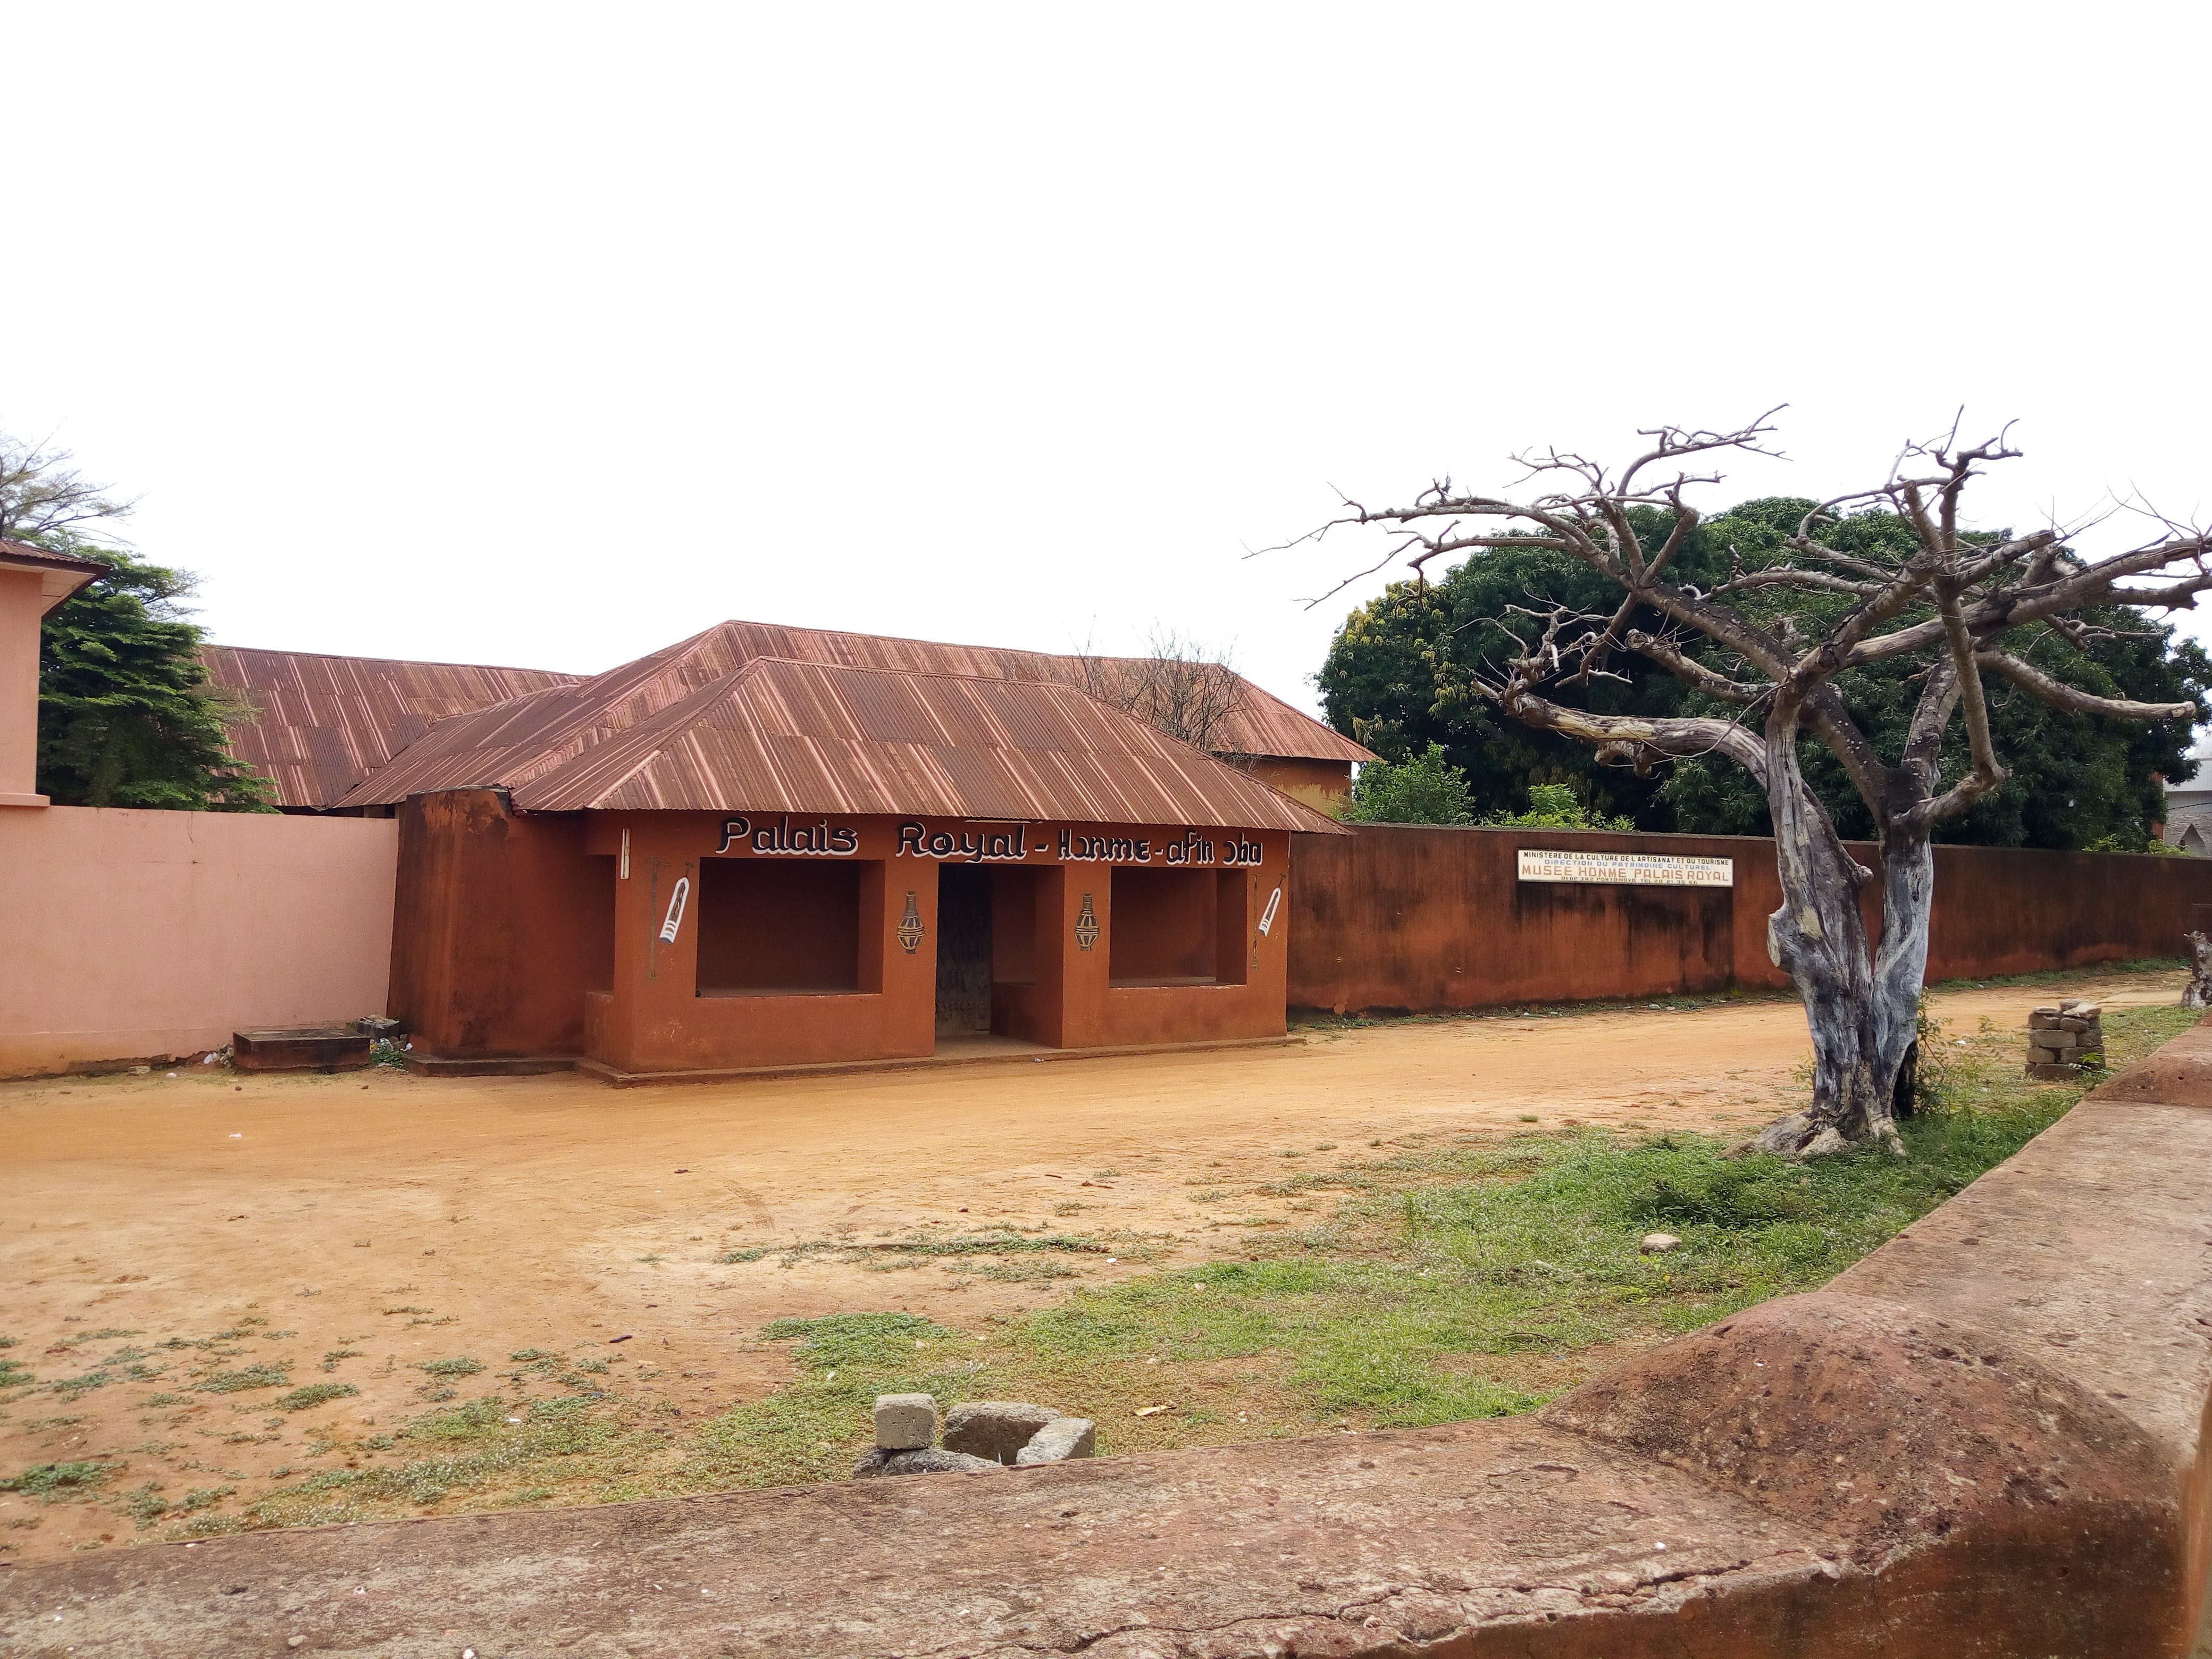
column 1182, row 688
column 1948, row 603
column 42, row 496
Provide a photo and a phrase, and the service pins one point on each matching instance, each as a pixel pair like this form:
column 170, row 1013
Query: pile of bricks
column 2063, row 1040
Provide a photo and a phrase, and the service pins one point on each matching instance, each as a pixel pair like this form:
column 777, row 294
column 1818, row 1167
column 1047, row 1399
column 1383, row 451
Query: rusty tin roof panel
column 789, row 737
column 1259, row 724
column 320, row 724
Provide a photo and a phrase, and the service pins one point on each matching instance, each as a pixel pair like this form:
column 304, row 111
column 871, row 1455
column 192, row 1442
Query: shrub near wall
column 1415, row 919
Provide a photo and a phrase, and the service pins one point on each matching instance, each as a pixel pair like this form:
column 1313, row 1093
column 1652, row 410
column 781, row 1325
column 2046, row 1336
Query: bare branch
column 42, row 494
column 2059, row 694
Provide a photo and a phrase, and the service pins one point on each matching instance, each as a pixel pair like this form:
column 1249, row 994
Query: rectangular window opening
column 778, row 927
column 1163, row 928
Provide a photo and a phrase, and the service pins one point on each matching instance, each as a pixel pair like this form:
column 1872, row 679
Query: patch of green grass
column 846, row 1342
column 1013, row 1273
column 477, row 1420
column 144, row 1507
column 730, row 1258
column 460, row 1365
column 1444, row 1256
column 272, row 1375
column 331, row 1357
column 43, row 1480
column 315, row 1394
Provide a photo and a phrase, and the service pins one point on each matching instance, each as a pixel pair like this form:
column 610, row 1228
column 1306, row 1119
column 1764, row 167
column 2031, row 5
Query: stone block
column 2044, row 1020
column 300, row 1048
column 1058, row 1441
column 2052, row 1039
column 905, row 1421
column 997, row 1429
column 878, row 1461
column 2049, row 1010
column 1659, row 1243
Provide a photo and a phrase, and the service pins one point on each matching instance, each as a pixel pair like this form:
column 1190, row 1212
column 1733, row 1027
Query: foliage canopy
column 1395, row 677
column 126, row 714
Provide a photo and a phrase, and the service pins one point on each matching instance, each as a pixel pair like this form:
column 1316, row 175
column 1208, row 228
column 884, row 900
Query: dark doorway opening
column 963, row 951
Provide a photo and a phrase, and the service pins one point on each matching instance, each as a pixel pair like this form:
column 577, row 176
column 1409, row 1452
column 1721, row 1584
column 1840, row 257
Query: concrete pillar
column 22, row 603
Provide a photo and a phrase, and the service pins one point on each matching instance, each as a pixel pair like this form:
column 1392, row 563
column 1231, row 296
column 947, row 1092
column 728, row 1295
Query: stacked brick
column 2063, row 1040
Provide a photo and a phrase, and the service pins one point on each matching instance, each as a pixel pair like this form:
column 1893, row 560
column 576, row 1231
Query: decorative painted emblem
column 1267, row 915
column 909, row 928
column 1087, row 925
column 671, row 927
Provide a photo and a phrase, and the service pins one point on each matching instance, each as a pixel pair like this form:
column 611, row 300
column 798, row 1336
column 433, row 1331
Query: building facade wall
column 132, row 935
column 1052, row 939
column 1323, row 785
column 1417, row 918
column 502, row 923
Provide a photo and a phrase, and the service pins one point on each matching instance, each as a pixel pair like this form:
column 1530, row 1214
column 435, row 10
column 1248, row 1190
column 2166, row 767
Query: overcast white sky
column 547, row 334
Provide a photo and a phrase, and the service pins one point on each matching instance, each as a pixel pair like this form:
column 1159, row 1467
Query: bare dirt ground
column 347, row 1229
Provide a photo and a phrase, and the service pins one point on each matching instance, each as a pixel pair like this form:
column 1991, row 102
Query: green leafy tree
column 1427, row 788
column 1396, row 675
column 1395, row 680
column 126, row 714
column 1553, row 806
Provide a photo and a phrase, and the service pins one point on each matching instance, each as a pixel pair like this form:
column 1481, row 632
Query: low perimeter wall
column 136, row 935
column 1987, row 1438
column 1410, row 918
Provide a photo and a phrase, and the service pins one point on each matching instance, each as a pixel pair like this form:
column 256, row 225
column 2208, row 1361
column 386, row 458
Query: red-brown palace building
column 716, row 859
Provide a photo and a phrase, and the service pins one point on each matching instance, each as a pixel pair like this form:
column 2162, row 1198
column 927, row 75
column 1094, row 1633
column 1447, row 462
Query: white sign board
column 1627, row 869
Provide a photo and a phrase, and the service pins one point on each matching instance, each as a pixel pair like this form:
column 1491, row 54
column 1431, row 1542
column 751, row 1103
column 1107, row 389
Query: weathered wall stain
column 1412, row 919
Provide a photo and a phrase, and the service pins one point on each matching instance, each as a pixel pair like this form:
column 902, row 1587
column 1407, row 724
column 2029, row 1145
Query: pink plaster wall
column 129, row 934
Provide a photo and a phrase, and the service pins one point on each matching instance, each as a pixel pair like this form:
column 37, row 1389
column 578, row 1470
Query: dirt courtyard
column 317, row 1237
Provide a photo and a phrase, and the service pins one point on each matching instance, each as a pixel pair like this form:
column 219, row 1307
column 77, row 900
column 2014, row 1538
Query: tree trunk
column 1863, row 1006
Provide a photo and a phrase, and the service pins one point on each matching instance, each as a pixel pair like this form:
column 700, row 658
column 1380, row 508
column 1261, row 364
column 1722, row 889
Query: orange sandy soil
column 412, row 1220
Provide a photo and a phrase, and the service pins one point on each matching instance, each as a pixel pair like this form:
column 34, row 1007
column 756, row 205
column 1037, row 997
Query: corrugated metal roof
column 1257, row 724
column 515, row 742
column 778, row 735
column 320, row 724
